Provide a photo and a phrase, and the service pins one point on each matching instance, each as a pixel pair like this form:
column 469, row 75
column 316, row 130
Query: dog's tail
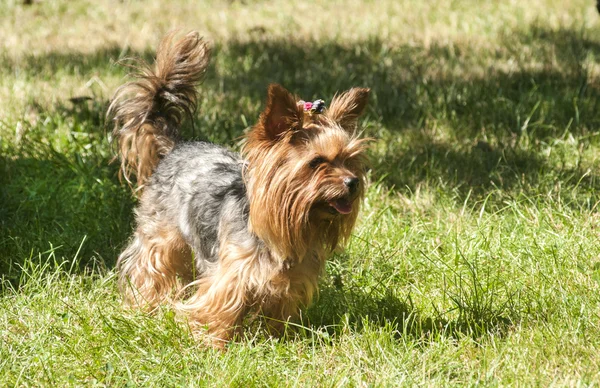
column 148, row 112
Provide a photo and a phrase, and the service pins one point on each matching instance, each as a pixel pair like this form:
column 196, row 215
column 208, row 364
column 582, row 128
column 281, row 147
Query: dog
column 221, row 235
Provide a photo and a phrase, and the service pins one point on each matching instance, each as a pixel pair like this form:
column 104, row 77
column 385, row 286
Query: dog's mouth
column 340, row 205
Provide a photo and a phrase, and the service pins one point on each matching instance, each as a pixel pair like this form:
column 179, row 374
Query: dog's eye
column 317, row 161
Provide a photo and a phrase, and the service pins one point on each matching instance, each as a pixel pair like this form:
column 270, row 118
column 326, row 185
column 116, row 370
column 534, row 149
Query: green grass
column 476, row 259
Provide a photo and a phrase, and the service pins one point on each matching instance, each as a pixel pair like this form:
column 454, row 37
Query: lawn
column 476, row 259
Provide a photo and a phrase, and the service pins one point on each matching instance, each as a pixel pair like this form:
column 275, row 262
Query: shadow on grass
column 347, row 299
column 67, row 204
column 411, row 84
column 569, row 46
column 338, row 308
column 479, row 170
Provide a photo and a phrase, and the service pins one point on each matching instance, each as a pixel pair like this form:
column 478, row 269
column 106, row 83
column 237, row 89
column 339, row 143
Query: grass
column 477, row 255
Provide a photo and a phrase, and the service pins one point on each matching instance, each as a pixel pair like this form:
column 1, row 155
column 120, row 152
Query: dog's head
column 306, row 170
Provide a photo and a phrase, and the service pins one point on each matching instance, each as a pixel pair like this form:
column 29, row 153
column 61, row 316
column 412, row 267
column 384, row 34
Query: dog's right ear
column 281, row 114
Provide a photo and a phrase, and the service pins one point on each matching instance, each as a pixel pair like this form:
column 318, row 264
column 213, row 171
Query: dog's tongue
column 342, row 206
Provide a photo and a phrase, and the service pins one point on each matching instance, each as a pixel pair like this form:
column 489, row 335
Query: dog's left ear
column 346, row 108
column 281, row 114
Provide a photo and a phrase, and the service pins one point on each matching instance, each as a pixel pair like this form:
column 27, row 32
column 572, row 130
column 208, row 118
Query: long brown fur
column 149, row 111
column 281, row 216
column 163, row 262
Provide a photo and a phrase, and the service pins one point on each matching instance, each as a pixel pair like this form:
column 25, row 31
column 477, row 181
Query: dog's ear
column 281, row 114
column 346, row 108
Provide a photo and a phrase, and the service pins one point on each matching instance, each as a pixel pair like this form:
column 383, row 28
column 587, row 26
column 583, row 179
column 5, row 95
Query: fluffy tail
column 148, row 112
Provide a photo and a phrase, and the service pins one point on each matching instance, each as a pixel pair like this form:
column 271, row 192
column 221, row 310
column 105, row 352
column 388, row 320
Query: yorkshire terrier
column 221, row 235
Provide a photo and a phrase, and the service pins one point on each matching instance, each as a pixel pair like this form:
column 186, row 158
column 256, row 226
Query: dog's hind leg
column 154, row 265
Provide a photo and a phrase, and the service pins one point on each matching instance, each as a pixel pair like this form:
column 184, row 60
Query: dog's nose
column 351, row 183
